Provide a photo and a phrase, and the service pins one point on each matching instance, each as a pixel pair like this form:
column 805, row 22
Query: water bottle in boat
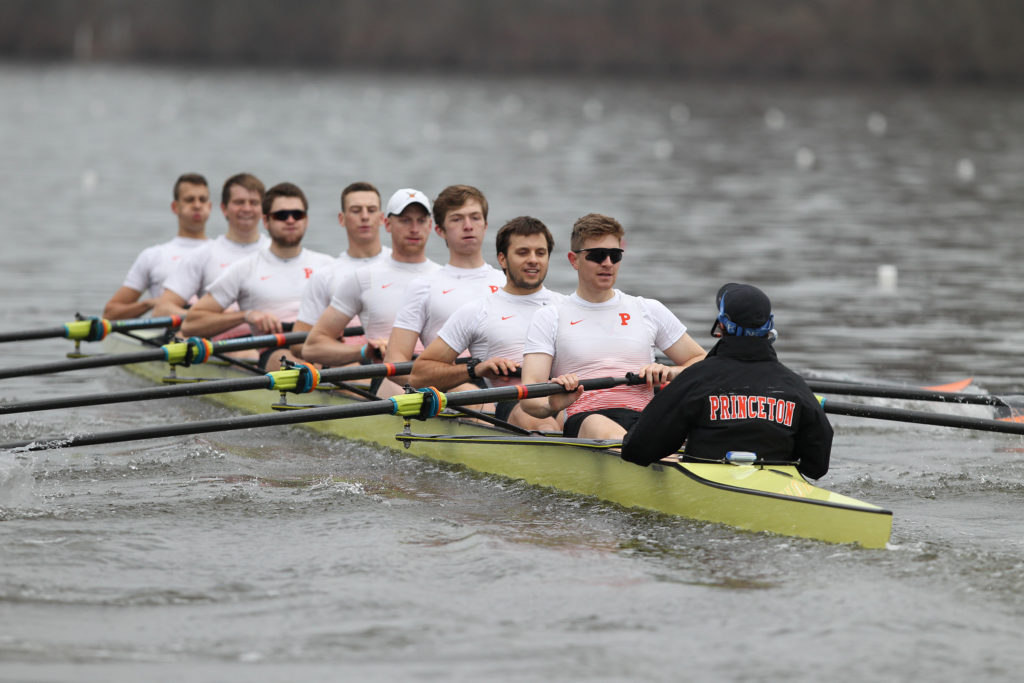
column 741, row 457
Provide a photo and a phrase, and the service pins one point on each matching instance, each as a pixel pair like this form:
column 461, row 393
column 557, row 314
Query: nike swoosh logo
column 573, row 322
column 506, row 317
column 387, row 285
column 265, row 277
column 224, row 265
column 445, row 291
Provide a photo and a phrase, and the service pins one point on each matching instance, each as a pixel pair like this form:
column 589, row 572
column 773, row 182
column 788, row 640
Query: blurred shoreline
column 923, row 41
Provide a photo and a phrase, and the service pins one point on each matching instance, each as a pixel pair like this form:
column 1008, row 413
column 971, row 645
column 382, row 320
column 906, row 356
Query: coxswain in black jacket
column 739, row 398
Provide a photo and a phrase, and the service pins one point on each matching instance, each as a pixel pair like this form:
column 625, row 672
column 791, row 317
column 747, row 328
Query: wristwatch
column 471, row 368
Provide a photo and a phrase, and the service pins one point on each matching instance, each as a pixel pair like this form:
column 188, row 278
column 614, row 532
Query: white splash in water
column 877, row 123
column 774, row 119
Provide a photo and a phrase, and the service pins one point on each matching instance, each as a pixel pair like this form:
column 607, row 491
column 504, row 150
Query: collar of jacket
column 744, row 348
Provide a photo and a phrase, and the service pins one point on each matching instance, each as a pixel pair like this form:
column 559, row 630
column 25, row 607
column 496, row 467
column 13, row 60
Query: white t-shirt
column 266, row 282
column 154, row 264
column 199, row 269
column 607, row 339
column 495, row 326
column 429, row 302
column 376, row 292
column 317, row 295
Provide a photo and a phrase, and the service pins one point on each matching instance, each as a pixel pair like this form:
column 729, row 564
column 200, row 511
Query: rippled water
column 273, row 554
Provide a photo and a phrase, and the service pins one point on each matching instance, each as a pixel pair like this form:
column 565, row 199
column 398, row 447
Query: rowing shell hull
column 775, row 499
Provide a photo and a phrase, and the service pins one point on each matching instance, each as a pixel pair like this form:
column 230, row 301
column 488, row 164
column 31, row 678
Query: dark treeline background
column 870, row 40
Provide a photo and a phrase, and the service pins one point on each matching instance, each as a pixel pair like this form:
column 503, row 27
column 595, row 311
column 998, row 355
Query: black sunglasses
column 599, row 254
column 285, row 214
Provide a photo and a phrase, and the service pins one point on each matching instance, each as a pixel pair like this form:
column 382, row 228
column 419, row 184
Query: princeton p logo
column 624, row 317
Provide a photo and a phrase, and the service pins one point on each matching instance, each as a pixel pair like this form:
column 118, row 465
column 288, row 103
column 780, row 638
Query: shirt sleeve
column 347, row 298
column 139, row 276
column 226, row 289
column 413, row 313
column 540, row 336
column 668, row 329
column 461, row 330
column 186, row 278
column 316, row 296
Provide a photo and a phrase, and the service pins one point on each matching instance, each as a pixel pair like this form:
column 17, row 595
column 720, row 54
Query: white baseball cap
column 403, row 198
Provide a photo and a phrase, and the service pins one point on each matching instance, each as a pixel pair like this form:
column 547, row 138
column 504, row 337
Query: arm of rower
column 125, row 304
column 169, row 303
column 537, row 370
column 436, row 367
column 323, row 344
column 401, row 345
column 684, row 353
column 207, row 318
column 299, row 326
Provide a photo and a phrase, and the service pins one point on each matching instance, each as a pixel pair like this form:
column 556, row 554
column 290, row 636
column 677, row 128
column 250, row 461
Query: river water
column 273, row 555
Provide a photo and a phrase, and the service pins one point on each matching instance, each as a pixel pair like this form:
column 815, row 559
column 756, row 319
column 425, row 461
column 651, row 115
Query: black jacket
column 739, row 398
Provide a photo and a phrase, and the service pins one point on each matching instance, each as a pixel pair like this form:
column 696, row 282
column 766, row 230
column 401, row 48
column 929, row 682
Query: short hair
column 191, row 179
column 245, row 180
column 594, row 225
column 453, row 197
column 283, row 190
column 523, row 226
column 358, row 186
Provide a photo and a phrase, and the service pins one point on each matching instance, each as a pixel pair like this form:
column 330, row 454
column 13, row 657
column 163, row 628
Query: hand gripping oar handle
column 921, row 417
column 92, row 329
column 284, row 380
column 412, row 404
column 195, row 350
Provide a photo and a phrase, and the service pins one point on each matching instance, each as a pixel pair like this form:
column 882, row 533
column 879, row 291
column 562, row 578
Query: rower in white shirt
column 241, row 203
column 152, row 266
column 599, row 331
column 460, row 217
column 493, row 328
column 362, row 218
column 375, row 292
column 267, row 286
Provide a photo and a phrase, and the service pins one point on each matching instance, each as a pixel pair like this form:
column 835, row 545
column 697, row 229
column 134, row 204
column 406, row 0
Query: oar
column 921, row 417
column 283, row 380
column 92, row 329
column 909, row 393
column 194, row 350
column 422, row 403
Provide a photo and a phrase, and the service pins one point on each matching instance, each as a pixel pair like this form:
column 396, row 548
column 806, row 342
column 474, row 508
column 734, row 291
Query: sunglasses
column 599, row 254
column 285, row 214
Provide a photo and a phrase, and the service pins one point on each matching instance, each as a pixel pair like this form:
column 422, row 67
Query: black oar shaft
column 199, row 388
column 922, row 417
column 382, row 407
column 882, row 391
column 222, row 346
column 24, row 335
column 82, row 363
column 115, row 326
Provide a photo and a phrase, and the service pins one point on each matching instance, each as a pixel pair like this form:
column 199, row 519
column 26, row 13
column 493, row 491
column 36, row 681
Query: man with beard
column 494, row 327
column 152, row 266
column 267, row 285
